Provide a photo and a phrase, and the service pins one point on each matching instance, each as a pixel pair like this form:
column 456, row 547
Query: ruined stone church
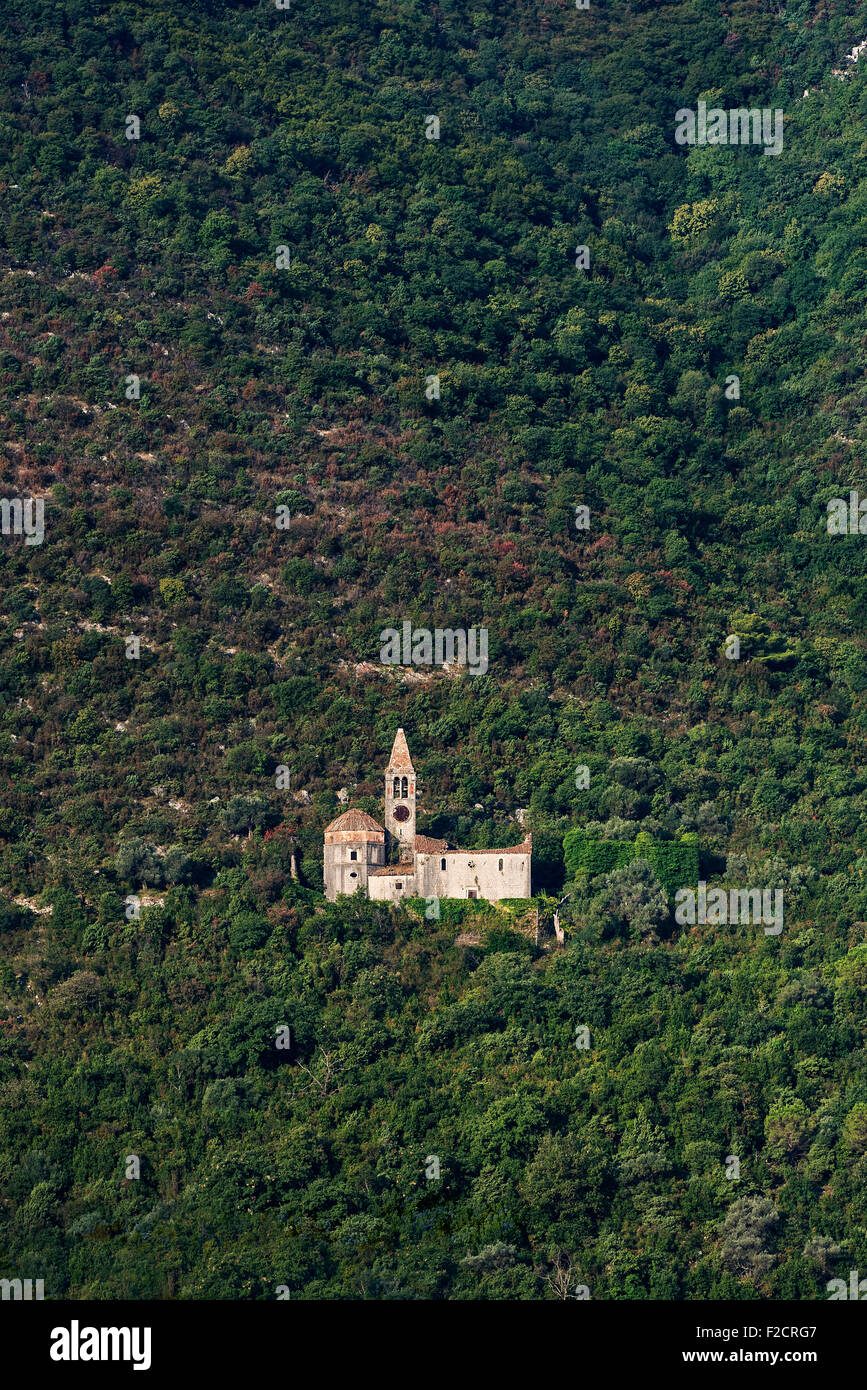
column 356, row 850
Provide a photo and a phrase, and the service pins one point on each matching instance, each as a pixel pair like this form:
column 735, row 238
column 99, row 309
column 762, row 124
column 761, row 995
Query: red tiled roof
column 425, row 844
column 525, row 847
column 354, row 819
column 395, row 870
column 400, row 761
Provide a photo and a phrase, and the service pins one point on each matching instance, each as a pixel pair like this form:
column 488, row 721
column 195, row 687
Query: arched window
column 501, row 866
column 395, row 791
column 442, row 863
column 404, row 789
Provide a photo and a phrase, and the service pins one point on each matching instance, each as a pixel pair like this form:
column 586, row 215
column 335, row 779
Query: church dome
column 353, row 819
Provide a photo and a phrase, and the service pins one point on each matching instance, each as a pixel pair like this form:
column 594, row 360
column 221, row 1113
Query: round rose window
column 401, row 813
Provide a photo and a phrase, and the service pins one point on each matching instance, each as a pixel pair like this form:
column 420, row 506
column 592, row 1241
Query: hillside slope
column 168, row 383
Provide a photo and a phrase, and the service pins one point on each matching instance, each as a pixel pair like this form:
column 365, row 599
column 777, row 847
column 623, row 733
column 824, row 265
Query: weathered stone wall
column 465, row 870
column 477, row 871
column 384, row 887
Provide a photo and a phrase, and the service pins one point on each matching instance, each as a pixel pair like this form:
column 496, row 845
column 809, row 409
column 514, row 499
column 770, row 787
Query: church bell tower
column 400, row 796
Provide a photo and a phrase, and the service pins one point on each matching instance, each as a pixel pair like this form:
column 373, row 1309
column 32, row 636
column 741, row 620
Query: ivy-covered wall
column 675, row 862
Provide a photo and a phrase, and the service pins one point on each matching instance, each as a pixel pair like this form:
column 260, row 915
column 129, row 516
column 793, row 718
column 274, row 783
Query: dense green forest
column 217, row 344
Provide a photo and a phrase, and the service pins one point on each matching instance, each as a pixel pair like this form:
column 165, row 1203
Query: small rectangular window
column 353, row 854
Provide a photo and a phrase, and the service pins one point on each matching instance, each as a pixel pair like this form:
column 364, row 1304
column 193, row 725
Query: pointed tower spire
column 400, row 761
column 400, row 794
